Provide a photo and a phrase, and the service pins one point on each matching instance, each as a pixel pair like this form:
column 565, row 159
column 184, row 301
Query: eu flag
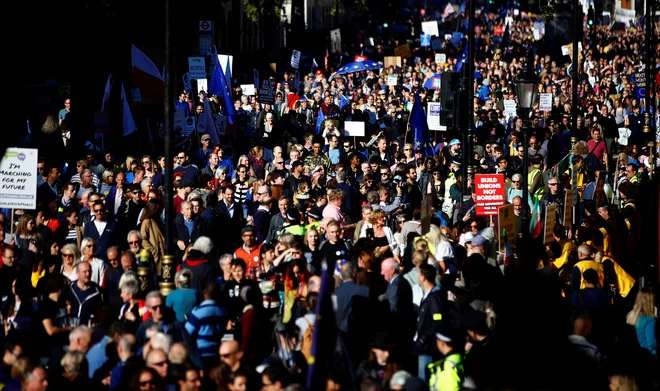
column 459, row 63
column 421, row 127
column 218, row 86
column 343, row 101
column 325, row 336
column 319, row 121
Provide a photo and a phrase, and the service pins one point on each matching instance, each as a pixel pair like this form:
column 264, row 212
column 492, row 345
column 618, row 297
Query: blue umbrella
column 433, row 82
column 358, row 66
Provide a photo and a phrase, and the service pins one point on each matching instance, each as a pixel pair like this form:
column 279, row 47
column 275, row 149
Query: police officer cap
column 450, row 334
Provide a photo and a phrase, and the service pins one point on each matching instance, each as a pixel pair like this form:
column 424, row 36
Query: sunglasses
column 553, row 184
column 515, row 181
column 67, row 255
column 159, row 364
column 134, row 242
column 157, row 307
column 147, row 383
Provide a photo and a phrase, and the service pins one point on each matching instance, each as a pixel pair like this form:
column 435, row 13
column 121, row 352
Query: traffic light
column 590, row 16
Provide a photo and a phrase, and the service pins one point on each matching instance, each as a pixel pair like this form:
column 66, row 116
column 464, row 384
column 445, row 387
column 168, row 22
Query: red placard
column 489, row 189
column 360, row 58
column 498, row 30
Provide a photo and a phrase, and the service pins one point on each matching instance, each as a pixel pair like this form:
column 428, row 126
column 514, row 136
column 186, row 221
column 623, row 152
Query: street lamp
column 526, row 89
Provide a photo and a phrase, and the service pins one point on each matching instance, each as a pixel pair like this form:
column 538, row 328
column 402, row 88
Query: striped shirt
column 206, row 325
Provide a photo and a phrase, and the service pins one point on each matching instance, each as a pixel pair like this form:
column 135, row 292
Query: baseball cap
column 297, row 163
column 479, row 240
column 206, row 137
column 469, row 236
column 454, row 142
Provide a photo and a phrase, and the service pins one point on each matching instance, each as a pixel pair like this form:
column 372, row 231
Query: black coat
column 430, row 314
column 181, row 232
column 104, row 241
column 228, row 227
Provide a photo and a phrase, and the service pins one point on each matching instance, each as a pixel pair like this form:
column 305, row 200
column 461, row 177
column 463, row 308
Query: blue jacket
column 104, row 241
column 345, row 294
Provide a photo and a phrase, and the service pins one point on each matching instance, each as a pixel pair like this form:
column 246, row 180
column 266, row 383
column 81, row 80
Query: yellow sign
column 568, row 208
column 550, row 218
column 506, row 220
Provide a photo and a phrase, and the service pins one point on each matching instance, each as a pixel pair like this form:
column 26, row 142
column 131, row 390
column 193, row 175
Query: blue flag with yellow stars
column 421, row 127
column 218, row 86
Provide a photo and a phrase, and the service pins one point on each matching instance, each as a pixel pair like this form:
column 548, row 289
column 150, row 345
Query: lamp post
column 526, row 90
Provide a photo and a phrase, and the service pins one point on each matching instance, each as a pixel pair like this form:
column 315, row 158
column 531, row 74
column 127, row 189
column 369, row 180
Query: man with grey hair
column 86, row 296
column 399, row 297
column 126, row 349
column 225, row 274
column 165, row 321
column 80, row 340
column 134, row 240
column 198, row 263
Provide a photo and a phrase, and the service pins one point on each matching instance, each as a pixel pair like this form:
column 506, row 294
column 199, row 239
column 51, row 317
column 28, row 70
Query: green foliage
column 254, row 9
column 548, row 12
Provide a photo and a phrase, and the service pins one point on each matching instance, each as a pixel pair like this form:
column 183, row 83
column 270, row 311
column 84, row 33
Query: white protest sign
column 545, row 102
column 248, row 89
column 202, row 85
column 18, row 178
column 440, row 58
column 430, row 28
column 433, row 117
column 392, row 80
column 295, row 59
column 197, row 67
column 220, row 124
column 509, row 107
column 447, row 37
column 352, row 128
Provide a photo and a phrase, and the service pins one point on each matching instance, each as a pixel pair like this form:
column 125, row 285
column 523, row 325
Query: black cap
column 297, row 163
column 316, row 213
column 293, row 214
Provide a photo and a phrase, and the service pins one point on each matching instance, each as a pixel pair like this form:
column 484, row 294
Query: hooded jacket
column 202, row 271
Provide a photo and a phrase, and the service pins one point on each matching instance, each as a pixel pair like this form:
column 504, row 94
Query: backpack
column 307, row 340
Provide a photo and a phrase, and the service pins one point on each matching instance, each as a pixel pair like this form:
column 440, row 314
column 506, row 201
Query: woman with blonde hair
column 644, row 318
column 382, row 235
column 257, row 161
column 246, row 161
column 27, row 238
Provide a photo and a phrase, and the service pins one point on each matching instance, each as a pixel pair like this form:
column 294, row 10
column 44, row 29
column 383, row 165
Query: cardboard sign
column 545, row 102
column 440, row 58
column 431, row 28
column 248, row 89
column 568, row 208
column 550, row 218
column 392, row 61
column 392, row 80
column 197, row 67
column 433, row 116
column 489, row 192
column 354, row 128
column 18, row 178
column 295, row 59
column 506, row 220
column 403, row 51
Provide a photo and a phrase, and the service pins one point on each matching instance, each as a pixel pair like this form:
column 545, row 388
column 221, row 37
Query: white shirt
column 100, row 226
column 118, row 196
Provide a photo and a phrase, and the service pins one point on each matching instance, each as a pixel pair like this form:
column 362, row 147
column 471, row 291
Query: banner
column 489, row 189
column 640, row 84
column 509, row 108
column 506, row 220
column 18, row 178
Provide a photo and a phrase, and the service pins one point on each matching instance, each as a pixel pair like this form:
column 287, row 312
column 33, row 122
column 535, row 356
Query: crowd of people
column 287, row 212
